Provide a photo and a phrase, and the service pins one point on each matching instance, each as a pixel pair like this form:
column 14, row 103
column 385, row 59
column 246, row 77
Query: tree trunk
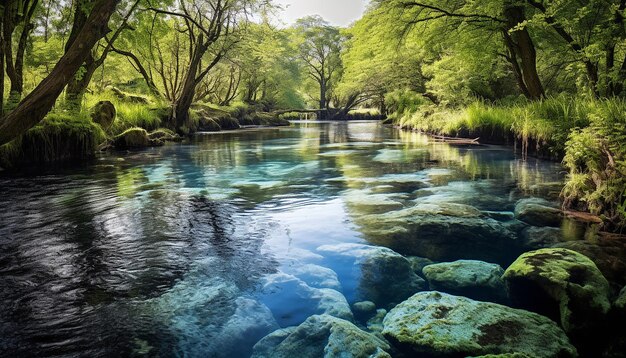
column 1, row 67
column 18, row 87
column 142, row 70
column 78, row 84
column 184, row 101
column 323, row 104
column 521, row 45
column 34, row 107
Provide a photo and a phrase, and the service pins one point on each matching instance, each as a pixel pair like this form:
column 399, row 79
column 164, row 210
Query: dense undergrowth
column 589, row 135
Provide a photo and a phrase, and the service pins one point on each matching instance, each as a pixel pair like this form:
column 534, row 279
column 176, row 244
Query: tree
column 319, row 48
column 16, row 15
column 33, row 108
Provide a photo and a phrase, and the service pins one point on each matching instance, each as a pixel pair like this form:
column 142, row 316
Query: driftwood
column 455, row 140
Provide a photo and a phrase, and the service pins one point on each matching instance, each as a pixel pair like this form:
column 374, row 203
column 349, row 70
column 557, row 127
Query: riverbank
column 588, row 136
column 115, row 120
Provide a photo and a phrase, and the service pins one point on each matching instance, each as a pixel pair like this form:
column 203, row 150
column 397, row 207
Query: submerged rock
column 316, row 276
column 104, row 114
column 321, row 336
column 534, row 238
column 384, row 275
column 470, row 278
column 538, row 212
column 291, row 300
column 561, row 284
column 418, row 264
column 438, row 324
column 442, row 232
column 363, row 310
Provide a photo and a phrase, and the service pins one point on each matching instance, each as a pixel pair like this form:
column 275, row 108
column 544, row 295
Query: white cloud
column 336, row 12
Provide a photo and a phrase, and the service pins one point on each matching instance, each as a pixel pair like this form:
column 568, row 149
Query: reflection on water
column 198, row 250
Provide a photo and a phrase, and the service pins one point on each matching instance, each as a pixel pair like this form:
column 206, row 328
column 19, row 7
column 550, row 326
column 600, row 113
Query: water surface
column 201, row 249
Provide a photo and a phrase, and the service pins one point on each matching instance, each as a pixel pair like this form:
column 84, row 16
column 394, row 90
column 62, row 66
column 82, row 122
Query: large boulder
column 321, row 336
column 538, row 212
column 470, row 278
column 380, row 274
column 104, row 114
column 608, row 252
column 442, row 232
column 561, row 284
column 291, row 300
column 437, row 324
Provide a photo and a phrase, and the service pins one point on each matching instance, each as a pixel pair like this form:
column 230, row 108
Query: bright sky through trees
column 336, row 12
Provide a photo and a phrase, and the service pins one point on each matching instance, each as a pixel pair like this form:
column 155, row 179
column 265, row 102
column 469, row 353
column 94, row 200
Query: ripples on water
column 164, row 251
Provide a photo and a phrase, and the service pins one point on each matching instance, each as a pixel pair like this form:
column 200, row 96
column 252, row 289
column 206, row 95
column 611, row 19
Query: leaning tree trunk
column 34, row 107
column 521, row 46
column 1, row 68
column 184, row 101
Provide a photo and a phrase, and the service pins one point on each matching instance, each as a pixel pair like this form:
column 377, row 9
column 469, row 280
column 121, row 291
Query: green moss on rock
column 561, row 282
column 439, row 324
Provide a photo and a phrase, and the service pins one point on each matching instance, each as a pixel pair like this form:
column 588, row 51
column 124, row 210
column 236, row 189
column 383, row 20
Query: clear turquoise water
column 200, row 249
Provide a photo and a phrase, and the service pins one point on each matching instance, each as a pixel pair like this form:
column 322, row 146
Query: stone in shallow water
column 363, row 201
column 442, row 232
column 534, row 238
column 384, row 275
column 291, row 300
column 315, row 276
column 439, row 324
column 210, row 318
column 561, row 284
column 538, row 212
column 321, row 336
column 470, row 278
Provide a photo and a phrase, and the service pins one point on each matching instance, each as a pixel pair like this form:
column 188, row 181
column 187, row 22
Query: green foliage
column 147, row 116
column 596, row 160
column 60, row 136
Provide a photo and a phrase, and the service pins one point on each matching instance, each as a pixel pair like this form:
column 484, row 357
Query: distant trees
column 319, row 47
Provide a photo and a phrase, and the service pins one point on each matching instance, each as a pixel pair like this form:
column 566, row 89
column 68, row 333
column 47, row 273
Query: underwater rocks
column 291, row 300
column 385, row 276
column 438, row 324
column 473, row 279
column 316, row 276
column 367, row 202
column 533, row 237
column 538, row 212
column 442, row 232
column 321, row 336
column 211, row 317
column 561, row 284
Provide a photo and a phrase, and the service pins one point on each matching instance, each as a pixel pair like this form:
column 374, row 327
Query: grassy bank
column 588, row 135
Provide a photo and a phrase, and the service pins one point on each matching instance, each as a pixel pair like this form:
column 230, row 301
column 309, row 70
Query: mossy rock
column 134, row 138
column 470, row 278
column 208, row 125
column 321, row 336
column 164, row 135
column 561, row 284
column 438, row 324
column 538, row 212
column 268, row 119
column 227, row 122
column 104, row 114
column 620, row 303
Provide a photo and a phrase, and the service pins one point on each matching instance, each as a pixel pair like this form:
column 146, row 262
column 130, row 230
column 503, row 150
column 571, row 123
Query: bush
column 596, row 160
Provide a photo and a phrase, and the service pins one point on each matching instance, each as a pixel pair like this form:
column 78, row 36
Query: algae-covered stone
column 470, row 278
column 321, row 336
column 418, row 264
column 133, row 138
column 620, row 302
column 363, row 310
column 608, row 252
column 562, row 284
column 383, row 276
column 442, row 232
column 438, row 324
column 164, row 135
column 104, row 114
column 538, row 212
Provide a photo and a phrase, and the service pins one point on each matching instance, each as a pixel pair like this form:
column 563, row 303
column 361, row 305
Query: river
column 202, row 248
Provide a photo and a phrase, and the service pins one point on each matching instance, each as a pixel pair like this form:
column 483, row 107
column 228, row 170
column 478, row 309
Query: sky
column 336, row 12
